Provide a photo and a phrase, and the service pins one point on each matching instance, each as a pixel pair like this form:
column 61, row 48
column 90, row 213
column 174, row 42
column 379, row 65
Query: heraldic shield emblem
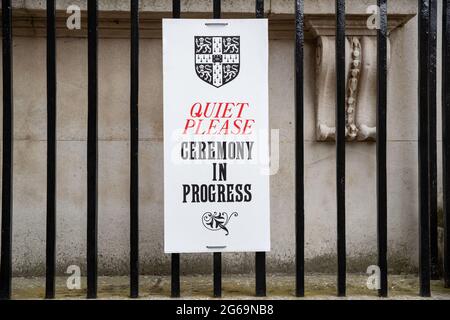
column 217, row 59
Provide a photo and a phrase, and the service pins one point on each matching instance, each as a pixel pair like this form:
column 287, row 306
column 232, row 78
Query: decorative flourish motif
column 355, row 71
column 217, row 220
column 217, row 59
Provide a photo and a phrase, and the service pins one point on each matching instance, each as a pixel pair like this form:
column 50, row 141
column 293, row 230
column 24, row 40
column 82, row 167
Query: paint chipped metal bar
column 299, row 153
column 381, row 147
column 259, row 8
column 432, row 142
column 340, row 145
column 424, row 170
column 260, row 257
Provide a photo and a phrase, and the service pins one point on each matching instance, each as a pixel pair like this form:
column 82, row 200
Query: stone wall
column 113, row 222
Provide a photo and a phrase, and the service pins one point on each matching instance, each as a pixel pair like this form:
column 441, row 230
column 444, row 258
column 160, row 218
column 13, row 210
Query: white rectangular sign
column 216, row 182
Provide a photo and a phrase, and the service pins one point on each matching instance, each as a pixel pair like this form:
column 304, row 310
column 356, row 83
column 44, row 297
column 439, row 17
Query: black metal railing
column 428, row 257
column 433, row 150
column 134, row 152
column 299, row 153
column 175, row 257
column 340, row 145
column 217, row 256
column 446, row 135
column 51, row 151
column 381, row 147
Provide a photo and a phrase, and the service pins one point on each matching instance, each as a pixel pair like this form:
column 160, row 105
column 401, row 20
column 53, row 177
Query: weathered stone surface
column 318, row 287
column 238, row 6
column 114, row 17
column 30, row 161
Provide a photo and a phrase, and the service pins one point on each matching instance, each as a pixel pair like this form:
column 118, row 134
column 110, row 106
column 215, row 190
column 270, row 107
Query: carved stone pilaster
column 361, row 74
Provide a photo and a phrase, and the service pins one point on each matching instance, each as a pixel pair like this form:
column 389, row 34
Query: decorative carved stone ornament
column 361, row 75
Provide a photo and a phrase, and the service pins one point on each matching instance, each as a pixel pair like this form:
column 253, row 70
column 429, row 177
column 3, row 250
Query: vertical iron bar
column 51, row 152
column 260, row 257
column 260, row 279
column 446, row 134
column 175, row 272
column 381, row 147
column 134, row 151
column 217, row 265
column 217, row 11
column 299, row 153
column 432, row 143
column 259, row 8
column 7, row 162
column 217, row 259
column 175, row 257
column 92, row 152
column 340, row 144
column 217, row 274
column 424, row 217
column 176, row 9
